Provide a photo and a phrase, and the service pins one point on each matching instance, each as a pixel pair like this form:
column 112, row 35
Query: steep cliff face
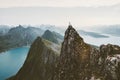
column 81, row 61
column 74, row 58
column 77, row 60
column 40, row 62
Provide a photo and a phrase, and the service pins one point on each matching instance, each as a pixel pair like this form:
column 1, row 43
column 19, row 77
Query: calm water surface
column 11, row 61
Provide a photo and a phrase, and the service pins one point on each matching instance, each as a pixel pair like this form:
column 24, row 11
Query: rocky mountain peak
column 20, row 26
column 71, row 33
column 39, row 64
column 48, row 35
column 77, row 61
column 80, row 61
column 74, row 56
column 73, row 44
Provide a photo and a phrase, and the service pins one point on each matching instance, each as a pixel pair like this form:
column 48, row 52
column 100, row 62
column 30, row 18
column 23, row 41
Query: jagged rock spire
column 71, row 32
column 70, row 38
column 74, row 56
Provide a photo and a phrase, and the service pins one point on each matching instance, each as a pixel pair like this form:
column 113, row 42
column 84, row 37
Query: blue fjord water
column 11, row 61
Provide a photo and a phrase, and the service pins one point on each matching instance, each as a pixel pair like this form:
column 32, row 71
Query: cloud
column 57, row 3
column 83, row 16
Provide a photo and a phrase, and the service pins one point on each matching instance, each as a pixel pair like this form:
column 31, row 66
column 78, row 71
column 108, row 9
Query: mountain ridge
column 42, row 60
column 77, row 61
column 22, row 36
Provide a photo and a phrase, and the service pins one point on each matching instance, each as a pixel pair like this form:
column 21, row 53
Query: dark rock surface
column 74, row 58
column 80, row 61
column 40, row 63
column 77, row 61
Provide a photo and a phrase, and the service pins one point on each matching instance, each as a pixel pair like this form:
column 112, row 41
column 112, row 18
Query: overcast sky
column 79, row 12
column 61, row 3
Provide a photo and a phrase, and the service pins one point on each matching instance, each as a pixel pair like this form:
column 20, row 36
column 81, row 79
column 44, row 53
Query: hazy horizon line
column 33, row 25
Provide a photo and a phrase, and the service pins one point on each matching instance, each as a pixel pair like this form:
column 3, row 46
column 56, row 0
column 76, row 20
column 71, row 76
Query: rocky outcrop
column 109, row 62
column 74, row 58
column 40, row 62
column 77, row 60
column 81, row 61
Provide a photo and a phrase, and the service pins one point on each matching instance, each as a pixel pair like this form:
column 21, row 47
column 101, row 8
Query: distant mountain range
column 112, row 30
column 21, row 36
column 52, row 36
column 58, row 29
column 92, row 34
column 3, row 29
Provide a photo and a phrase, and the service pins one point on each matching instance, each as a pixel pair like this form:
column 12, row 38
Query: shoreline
column 3, row 51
